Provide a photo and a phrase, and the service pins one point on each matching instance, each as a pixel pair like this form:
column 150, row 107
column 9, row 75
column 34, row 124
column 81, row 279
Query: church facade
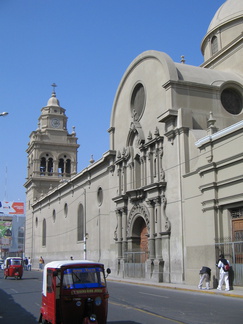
column 166, row 197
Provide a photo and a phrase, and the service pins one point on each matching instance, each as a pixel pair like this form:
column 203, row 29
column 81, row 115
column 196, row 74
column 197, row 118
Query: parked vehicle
column 13, row 267
column 74, row 292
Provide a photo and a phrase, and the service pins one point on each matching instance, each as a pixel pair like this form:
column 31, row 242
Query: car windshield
column 83, row 278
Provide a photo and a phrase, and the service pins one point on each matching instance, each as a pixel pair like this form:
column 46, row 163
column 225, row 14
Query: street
column 128, row 304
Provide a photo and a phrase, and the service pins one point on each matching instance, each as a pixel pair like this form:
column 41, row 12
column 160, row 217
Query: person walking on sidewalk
column 224, row 267
column 41, row 263
column 29, row 264
column 205, row 274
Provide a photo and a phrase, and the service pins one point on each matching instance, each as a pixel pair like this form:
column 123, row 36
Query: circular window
column 231, row 101
column 138, row 101
column 100, row 196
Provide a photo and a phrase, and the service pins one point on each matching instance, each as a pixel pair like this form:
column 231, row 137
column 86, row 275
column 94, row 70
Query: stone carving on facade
column 136, row 211
column 156, row 132
column 111, row 168
column 167, row 223
column 162, row 172
column 149, row 136
column 136, row 130
column 115, row 233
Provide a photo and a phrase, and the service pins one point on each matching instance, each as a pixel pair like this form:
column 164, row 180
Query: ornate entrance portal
column 137, row 254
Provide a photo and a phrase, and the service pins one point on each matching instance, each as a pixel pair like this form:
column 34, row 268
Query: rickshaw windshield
column 15, row 262
column 83, row 278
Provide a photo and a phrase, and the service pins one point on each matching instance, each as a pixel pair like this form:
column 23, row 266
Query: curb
column 157, row 285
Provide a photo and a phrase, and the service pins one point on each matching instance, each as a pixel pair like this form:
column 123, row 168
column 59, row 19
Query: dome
column 53, row 101
column 230, row 10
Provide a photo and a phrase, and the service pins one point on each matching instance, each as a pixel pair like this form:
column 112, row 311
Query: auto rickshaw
column 74, row 292
column 13, row 267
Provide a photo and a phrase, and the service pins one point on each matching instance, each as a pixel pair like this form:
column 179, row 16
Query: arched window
column 214, row 45
column 54, row 216
column 66, row 210
column 68, row 166
column 61, row 166
column 64, row 166
column 44, row 232
column 42, row 165
column 100, row 196
column 50, row 166
column 155, row 168
column 80, row 223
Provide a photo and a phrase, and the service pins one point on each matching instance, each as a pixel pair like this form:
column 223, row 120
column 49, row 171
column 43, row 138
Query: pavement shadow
column 123, row 322
column 11, row 312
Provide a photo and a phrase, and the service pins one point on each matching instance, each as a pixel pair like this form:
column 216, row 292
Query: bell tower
column 52, row 156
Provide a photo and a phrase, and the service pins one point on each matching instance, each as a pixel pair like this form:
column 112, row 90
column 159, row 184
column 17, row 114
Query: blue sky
column 84, row 46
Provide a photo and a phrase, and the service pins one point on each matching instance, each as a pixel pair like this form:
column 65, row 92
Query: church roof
column 189, row 73
column 53, row 101
column 230, row 10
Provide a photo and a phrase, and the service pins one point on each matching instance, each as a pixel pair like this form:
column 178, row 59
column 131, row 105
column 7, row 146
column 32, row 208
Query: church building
column 166, row 198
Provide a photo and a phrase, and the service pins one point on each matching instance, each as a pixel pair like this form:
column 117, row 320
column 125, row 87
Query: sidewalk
column 236, row 292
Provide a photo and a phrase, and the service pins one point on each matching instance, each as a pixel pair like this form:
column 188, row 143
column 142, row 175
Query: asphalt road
column 138, row 304
column 128, row 304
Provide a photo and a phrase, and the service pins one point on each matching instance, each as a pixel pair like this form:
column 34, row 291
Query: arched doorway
column 137, row 253
column 140, row 239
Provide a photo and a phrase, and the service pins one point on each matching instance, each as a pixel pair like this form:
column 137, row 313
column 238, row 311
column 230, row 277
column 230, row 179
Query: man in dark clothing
column 205, row 274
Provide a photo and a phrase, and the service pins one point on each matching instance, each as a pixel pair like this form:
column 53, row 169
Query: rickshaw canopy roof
column 65, row 263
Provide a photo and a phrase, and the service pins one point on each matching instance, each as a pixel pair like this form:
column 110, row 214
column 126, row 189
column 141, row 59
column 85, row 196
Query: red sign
column 11, row 208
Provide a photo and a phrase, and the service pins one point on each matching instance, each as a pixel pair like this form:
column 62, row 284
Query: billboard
column 5, row 233
column 10, row 208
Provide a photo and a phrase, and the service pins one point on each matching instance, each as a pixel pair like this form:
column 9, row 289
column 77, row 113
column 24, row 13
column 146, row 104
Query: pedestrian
column 224, row 267
column 29, row 264
column 205, row 274
column 26, row 263
column 71, row 258
column 41, row 263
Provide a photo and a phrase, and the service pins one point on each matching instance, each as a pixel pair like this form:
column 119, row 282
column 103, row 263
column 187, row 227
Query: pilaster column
column 119, row 233
column 151, row 239
column 119, row 180
column 161, row 170
column 124, row 179
column 158, row 229
column 124, row 230
column 150, row 167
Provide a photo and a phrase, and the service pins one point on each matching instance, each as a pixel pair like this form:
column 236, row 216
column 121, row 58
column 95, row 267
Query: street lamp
column 4, row 113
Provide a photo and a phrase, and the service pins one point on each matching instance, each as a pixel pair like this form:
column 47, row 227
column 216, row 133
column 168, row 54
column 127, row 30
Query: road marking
column 146, row 312
column 14, row 290
column 143, row 293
